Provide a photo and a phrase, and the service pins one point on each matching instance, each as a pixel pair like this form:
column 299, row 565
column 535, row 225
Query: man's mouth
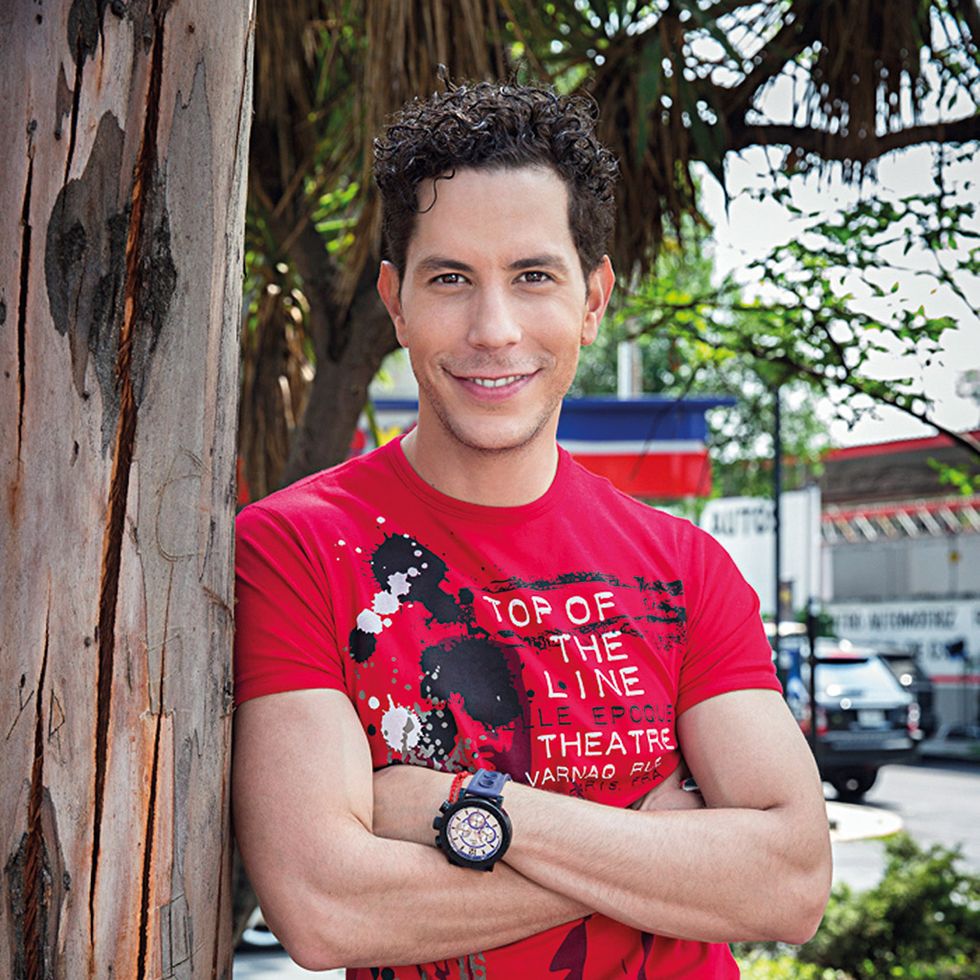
column 497, row 382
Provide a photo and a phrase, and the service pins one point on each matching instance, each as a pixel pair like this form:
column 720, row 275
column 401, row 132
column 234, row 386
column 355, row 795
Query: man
column 469, row 600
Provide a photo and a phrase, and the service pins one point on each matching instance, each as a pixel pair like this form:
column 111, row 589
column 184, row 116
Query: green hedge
column 921, row 922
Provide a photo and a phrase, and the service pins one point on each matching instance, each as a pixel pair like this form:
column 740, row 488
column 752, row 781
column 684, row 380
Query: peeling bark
column 122, row 216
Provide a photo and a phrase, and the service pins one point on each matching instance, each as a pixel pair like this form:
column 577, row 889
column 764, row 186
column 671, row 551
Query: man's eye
column 535, row 275
column 448, row 279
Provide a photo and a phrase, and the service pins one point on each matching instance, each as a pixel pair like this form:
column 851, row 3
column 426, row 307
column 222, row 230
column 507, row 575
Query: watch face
column 474, row 833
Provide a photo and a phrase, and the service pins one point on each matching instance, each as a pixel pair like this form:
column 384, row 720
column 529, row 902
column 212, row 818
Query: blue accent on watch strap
column 487, row 784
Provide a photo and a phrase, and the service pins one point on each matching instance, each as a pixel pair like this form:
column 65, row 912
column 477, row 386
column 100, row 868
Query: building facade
column 902, row 554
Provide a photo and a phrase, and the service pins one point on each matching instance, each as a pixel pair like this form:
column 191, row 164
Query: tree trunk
column 340, row 386
column 121, row 218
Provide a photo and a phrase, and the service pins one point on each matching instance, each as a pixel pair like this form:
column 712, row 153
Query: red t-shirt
column 557, row 642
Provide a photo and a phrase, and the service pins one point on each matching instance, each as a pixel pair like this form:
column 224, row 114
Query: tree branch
column 791, row 38
column 830, row 146
column 961, row 439
column 725, row 7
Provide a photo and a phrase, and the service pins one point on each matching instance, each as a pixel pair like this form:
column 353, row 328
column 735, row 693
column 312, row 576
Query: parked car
column 905, row 666
column 865, row 718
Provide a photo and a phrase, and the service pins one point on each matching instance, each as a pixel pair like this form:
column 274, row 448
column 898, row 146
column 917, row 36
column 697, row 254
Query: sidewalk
column 852, row 821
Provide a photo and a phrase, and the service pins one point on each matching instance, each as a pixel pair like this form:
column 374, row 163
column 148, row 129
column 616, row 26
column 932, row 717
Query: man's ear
column 600, row 287
column 389, row 287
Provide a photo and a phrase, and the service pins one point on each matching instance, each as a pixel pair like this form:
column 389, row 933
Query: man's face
column 493, row 307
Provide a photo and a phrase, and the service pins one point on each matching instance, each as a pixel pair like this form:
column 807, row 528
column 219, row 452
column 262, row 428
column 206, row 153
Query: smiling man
column 493, row 306
column 463, row 653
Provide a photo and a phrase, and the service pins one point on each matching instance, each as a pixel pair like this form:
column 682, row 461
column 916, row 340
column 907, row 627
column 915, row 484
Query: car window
column 844, row 678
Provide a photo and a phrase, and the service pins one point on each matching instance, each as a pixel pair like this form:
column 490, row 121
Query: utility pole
column 629, row 369
column 777, row 492
column 811, row 636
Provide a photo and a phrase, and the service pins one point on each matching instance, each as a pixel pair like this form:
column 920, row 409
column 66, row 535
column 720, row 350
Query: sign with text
column 935, row 630
column 745, row 527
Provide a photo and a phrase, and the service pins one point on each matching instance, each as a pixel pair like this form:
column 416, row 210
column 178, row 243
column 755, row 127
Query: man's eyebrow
column 440, row 263
column 545, row 261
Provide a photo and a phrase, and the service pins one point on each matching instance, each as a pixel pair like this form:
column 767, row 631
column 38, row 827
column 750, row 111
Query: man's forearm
column 755, row 865
column 711, row 875
column 332, row 890
column 714, row 874
column 386, row 902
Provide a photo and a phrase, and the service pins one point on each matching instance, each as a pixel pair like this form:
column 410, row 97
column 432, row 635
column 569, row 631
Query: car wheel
column 852, row 784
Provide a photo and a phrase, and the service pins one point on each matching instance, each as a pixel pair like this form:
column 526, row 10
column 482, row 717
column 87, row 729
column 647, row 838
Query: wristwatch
column 474, row 830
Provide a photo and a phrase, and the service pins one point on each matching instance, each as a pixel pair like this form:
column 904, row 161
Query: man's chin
column 499, row 443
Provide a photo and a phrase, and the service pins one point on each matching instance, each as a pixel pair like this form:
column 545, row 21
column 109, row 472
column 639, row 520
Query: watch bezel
column 441, row 823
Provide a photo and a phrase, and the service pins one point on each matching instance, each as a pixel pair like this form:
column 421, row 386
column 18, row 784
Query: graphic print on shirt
column 564, row 683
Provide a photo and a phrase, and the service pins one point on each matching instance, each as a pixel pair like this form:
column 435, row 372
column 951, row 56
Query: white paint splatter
column 341, row 542
column 369, row 622
column 400, row 727
column 373, row 703
column 385, row 603
column 398, row 583
column 380, row 520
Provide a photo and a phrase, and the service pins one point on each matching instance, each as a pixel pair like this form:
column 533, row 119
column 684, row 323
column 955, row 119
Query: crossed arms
column 343, row 861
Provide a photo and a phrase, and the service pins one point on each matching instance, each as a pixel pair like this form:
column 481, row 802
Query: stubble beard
column 520, row 440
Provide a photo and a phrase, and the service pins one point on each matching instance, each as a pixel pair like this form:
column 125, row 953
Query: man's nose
column 495, row 320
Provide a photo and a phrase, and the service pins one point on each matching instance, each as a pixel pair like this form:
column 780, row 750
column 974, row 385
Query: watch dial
column 474, row 833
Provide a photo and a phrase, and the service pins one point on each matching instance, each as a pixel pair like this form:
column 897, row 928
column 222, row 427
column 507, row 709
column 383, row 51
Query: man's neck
column 510, row 478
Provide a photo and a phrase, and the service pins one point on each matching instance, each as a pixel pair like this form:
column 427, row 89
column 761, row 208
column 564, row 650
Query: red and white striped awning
column 907, row 519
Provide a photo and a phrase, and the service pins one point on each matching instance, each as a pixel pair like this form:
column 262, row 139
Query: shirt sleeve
column 284, row 635
column 727, row 648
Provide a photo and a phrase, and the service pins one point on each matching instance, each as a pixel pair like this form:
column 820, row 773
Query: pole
column 629, row 372
column 811, row 635
column 777, row 492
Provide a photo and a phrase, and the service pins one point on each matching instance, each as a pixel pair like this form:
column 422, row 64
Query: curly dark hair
column 489, row 126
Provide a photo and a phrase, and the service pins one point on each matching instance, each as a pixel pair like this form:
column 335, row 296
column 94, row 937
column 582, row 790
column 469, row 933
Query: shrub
column 761, row 965
column 921, row 922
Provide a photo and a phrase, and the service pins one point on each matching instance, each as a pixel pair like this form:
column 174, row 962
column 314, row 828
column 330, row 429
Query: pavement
column 848, row 822
column 851, row 821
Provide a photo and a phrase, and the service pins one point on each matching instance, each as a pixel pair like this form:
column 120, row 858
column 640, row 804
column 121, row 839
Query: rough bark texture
column 121, row 219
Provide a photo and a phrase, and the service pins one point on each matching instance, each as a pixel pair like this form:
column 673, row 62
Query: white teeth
column 496, row 382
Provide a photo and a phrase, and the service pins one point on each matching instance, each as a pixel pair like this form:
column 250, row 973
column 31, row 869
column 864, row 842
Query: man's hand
column 671, row 795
